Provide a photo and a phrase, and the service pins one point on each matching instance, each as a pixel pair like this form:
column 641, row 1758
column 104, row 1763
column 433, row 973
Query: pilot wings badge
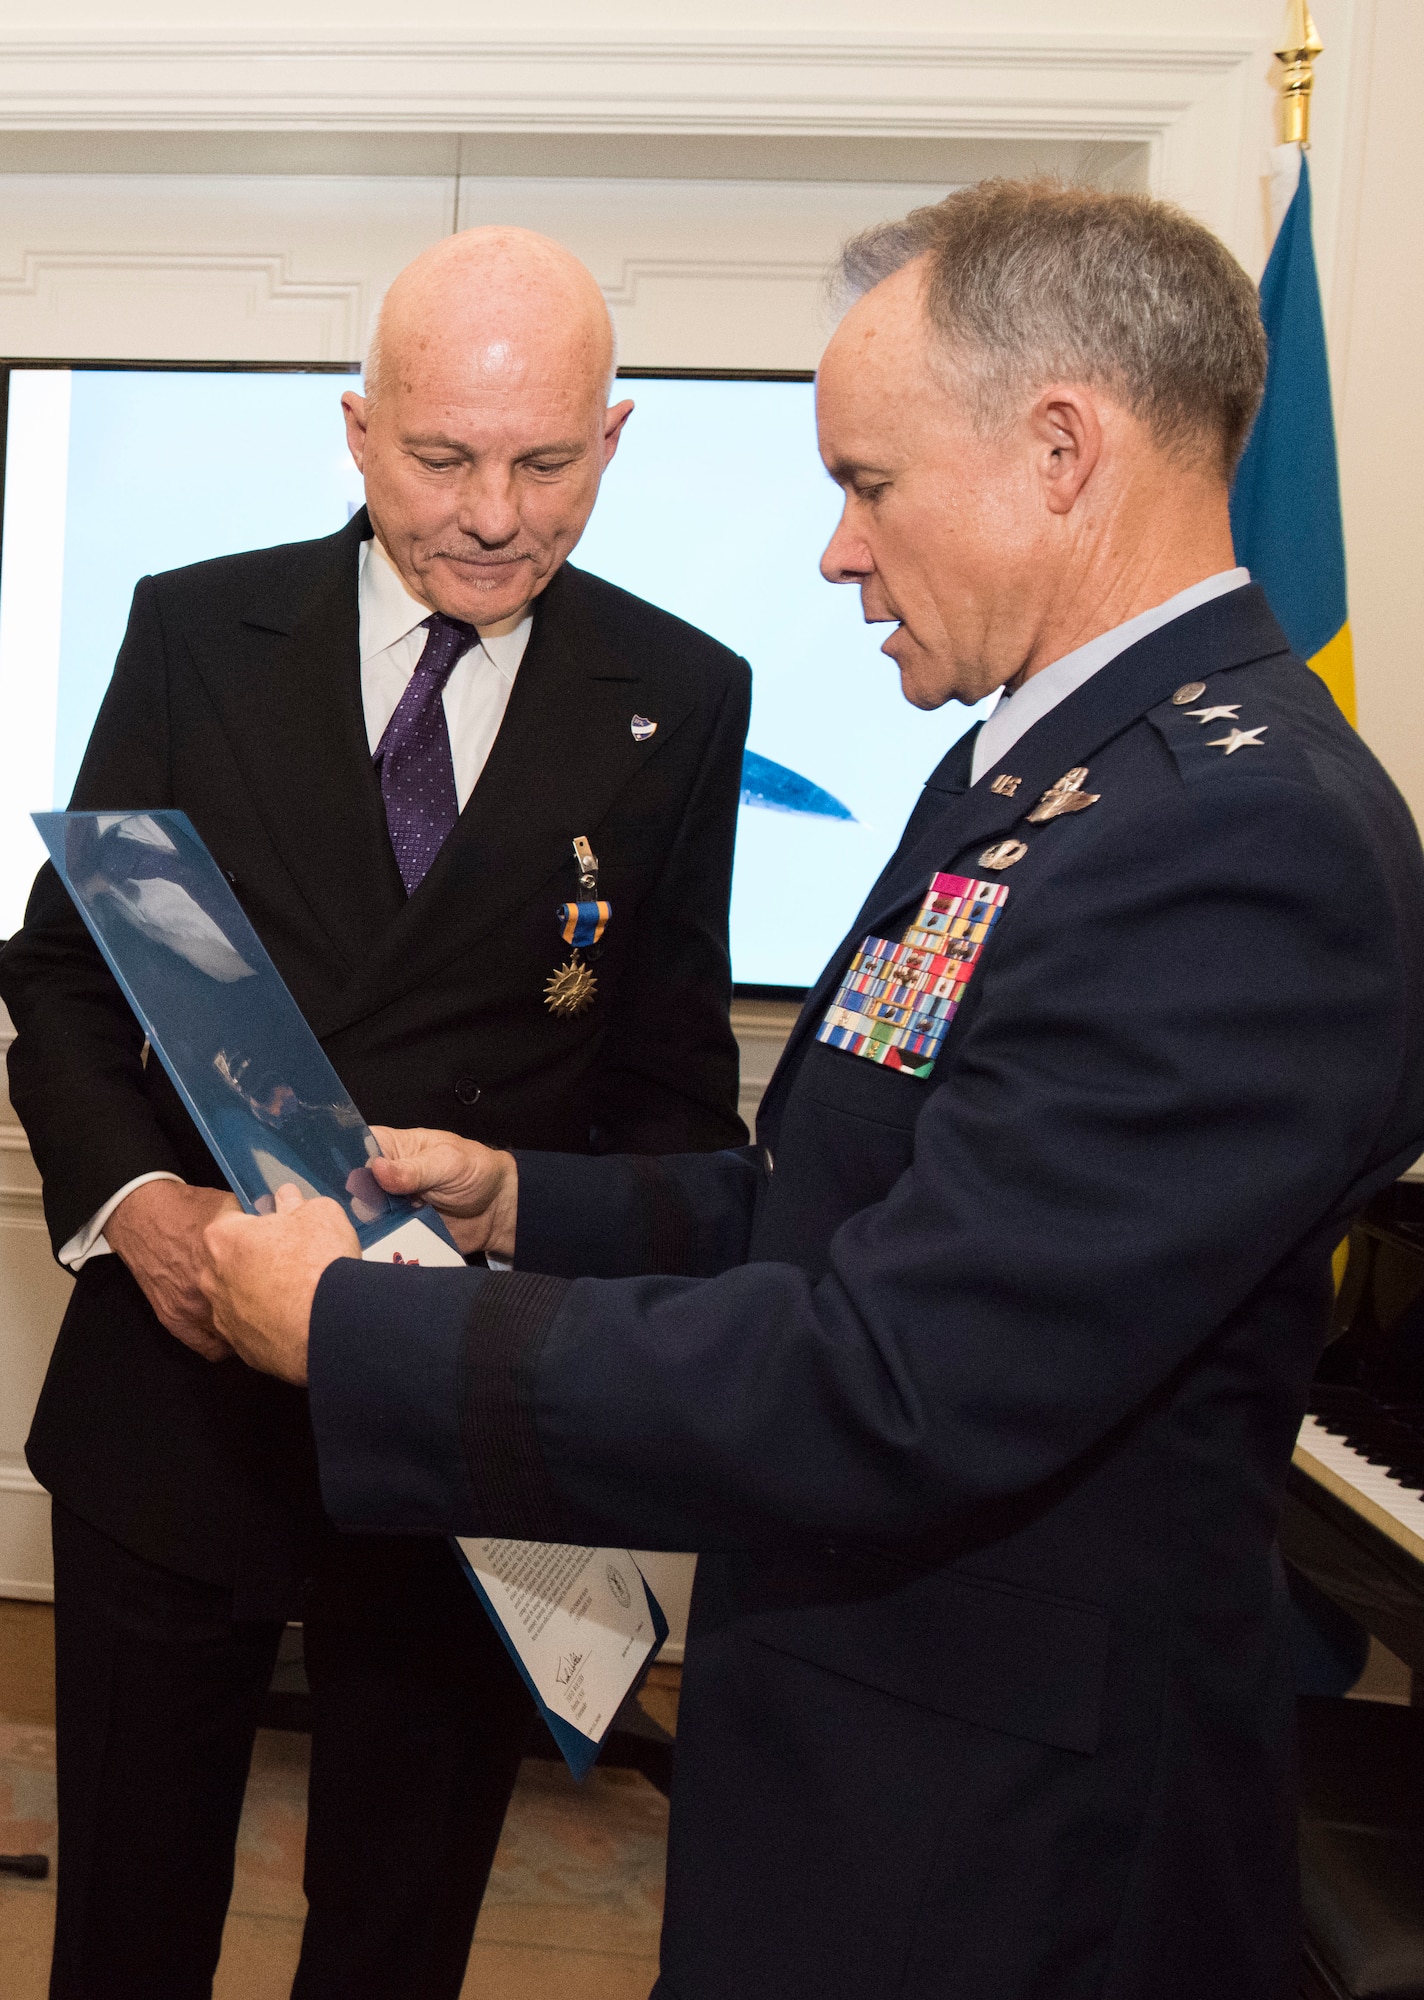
column 1064, row 797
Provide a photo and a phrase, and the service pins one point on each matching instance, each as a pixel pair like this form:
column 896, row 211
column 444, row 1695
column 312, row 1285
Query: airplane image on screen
column 778, row 788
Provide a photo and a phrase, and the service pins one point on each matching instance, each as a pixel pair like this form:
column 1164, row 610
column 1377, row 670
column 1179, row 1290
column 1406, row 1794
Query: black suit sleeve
column 668, row 1073
column 76, row 1074
column 1168, row 1076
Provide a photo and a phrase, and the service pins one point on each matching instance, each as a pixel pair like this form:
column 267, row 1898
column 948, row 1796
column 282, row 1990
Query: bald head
column 485, row 428
column 490, row 300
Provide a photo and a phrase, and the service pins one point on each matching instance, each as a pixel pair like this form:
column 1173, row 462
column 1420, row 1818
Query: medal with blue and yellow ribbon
column 581, row 925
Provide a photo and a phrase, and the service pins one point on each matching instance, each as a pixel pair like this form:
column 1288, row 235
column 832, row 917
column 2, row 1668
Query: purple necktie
column 413, row 757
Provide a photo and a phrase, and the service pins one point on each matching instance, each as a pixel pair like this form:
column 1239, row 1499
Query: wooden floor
column 574, row 1903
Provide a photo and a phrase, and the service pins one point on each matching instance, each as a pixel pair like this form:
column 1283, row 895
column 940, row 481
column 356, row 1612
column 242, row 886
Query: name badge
column 896, row 1002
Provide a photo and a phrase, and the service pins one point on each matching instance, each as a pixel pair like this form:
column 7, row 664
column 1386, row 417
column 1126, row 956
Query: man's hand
column 260, row 1274
column 158, row 1231
column 475, row 1189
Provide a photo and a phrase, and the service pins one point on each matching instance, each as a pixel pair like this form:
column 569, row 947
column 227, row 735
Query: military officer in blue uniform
column 976, row 1379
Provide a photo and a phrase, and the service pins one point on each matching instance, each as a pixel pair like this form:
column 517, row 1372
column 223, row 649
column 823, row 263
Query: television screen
column 715, row 507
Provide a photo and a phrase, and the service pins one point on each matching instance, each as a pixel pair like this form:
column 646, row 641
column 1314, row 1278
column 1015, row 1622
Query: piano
column 1353, row 1522
column 1354, row 1514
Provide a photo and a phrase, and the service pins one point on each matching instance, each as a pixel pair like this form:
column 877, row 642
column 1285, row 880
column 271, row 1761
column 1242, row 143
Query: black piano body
column 1353, row 1522
column 1353, row 1525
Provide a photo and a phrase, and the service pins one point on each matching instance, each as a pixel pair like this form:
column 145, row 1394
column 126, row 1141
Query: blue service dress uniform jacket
column 977, row 1391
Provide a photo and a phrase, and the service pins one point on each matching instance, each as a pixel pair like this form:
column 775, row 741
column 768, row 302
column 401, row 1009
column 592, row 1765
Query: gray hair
column 1032, row 281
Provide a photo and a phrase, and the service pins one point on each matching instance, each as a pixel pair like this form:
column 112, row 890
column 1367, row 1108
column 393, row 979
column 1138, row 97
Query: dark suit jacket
column 237, row 697
column 984, row 1387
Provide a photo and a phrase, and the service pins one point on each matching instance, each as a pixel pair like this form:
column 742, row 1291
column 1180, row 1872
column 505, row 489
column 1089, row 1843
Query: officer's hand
column 475, row 1189
column 260, row 1274
column 158, row 1232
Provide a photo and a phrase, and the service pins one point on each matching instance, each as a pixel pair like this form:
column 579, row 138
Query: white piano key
column 1370, row 1490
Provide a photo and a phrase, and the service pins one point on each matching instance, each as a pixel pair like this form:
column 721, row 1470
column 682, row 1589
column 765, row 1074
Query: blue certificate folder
column 218, row 1016
column 273, row 1110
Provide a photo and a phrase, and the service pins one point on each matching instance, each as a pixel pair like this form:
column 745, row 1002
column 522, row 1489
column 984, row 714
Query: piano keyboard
column 1374, row 1491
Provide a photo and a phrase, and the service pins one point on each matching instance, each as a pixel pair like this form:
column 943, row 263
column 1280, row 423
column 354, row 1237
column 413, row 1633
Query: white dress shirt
column 476, row 695
column 477, row 692
column 1016, row 714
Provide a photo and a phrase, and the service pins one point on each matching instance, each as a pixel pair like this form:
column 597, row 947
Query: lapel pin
column 1064, row 797
column 1190, row 691
column 1240, row 739
column 1003, row 854
column 642, row 729
column 1005, row 786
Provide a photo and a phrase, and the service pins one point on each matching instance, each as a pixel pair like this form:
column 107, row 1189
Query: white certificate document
column 414, row 1242
column 579, row 1622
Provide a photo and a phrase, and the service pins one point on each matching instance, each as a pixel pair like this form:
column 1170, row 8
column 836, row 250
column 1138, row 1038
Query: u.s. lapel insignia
column 642, row 729
column 1064, row 797
column 1005, row 786
column 1003, row 854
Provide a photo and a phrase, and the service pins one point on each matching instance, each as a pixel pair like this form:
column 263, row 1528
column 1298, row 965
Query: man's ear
column 353, row 408
column 613, row 424
column 1068, row 431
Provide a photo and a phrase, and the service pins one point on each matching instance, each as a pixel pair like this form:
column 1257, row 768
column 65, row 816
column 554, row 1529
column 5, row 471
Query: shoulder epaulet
column 1234, row 720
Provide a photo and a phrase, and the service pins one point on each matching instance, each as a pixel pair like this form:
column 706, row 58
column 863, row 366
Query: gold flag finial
column 1297, row 54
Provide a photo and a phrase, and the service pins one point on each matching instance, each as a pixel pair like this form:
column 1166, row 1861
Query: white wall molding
column 1183, row 97
column 223, row 267
column 255, row 286
column 1085, row 83
column 635, row 272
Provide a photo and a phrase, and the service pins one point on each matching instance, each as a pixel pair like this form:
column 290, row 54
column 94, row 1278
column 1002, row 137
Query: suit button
column 467, row 1090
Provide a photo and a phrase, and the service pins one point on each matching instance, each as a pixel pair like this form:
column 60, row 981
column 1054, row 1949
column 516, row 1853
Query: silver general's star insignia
column 1205, row 715
column 1239, row 739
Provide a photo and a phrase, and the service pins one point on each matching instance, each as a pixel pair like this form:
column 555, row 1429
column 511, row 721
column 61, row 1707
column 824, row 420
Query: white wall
column 1377, row 354
column 33, row 1292
column 241, row 182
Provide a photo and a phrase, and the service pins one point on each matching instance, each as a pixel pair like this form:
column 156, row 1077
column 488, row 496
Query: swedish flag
column 1285, row 504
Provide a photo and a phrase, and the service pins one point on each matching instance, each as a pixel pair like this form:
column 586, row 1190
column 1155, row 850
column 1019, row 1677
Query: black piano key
column 1388, row 1435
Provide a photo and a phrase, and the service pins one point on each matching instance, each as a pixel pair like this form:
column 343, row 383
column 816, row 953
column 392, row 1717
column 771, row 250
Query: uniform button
column 467, row 1090
column 770, row 1162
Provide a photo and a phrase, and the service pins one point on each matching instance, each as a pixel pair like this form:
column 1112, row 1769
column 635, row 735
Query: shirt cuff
column 89, row 1241
column 384, row 1364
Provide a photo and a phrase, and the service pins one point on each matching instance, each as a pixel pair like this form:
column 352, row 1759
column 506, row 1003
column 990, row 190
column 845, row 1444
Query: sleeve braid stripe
column 669, row 1227
column 507, row 1327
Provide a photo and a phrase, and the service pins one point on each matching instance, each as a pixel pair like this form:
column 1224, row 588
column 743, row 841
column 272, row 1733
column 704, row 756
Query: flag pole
column 1297, row 55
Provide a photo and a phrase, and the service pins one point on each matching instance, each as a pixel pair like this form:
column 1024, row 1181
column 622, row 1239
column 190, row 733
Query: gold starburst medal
column 571, row 989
